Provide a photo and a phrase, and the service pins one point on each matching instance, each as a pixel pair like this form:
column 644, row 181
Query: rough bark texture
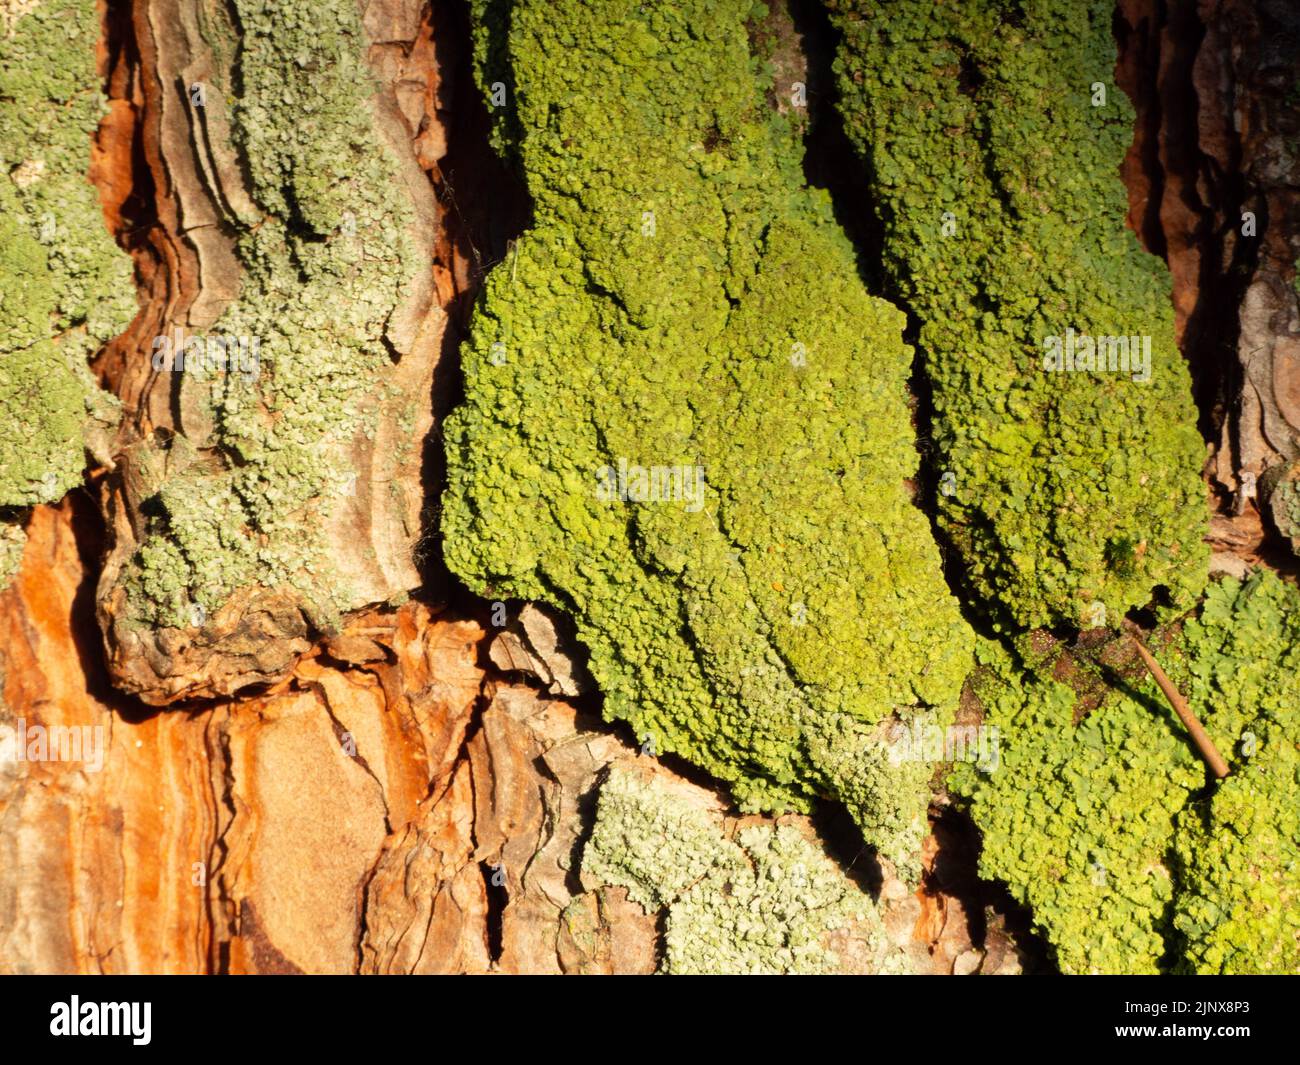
column 388, row 800
column 389, row 807
column 306, row 748
column 1214, row 183
column 189, row 81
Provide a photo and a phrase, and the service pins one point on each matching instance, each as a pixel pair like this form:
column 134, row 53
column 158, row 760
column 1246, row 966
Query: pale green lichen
column 1280, row 499
column 1101, row 827
column 652, row 843
column 684, row 300
column 65, row 287
column 996, row 182
column 13, row 539
column 763, row 902
column 324, row 267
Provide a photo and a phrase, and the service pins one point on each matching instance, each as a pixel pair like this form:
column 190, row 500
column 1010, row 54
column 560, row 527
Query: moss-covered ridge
column 1100, row 817
column 683, row 301
column 65, row 287
column 992, row 135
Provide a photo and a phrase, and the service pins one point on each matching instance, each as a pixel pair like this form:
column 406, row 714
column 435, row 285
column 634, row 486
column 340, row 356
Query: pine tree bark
column 389, row 783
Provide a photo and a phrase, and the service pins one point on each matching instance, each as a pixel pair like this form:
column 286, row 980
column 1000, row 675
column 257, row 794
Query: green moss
column 683, row 300
column 764, row 902
column 494, row 72
column 996, row 183
column 1077, row 820
column 1099, row 826
column 325, row 265
column 1238, row 910
column 1237, row 852
column 65, row 287
column 885, row 784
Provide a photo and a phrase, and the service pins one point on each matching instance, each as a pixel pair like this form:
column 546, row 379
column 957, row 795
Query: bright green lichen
column 764, row 902
column 1237, row 854
column 1238, row 907
column 996, row 181
column 883, row 782
column 684, row 301
column 1100, row 826
column 65, row 287
column 1077, row 820
column 325, row 265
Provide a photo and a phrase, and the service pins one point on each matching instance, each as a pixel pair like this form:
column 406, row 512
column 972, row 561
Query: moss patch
column 992, row 133
column 683, row 302
column 1103, row 826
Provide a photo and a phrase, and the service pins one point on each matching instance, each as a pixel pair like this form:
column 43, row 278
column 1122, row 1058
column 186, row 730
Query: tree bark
column 336, row 760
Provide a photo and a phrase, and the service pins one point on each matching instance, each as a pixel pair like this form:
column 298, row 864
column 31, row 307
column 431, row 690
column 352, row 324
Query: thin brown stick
column 1199, row 736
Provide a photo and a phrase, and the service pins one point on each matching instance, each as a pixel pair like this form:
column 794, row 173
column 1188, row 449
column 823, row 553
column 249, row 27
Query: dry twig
column 1199, row 736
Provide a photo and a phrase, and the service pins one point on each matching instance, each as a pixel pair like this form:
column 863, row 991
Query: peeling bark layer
column 234, row 838
column 1214, row 184
column 244, row 522
column 388, row 808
